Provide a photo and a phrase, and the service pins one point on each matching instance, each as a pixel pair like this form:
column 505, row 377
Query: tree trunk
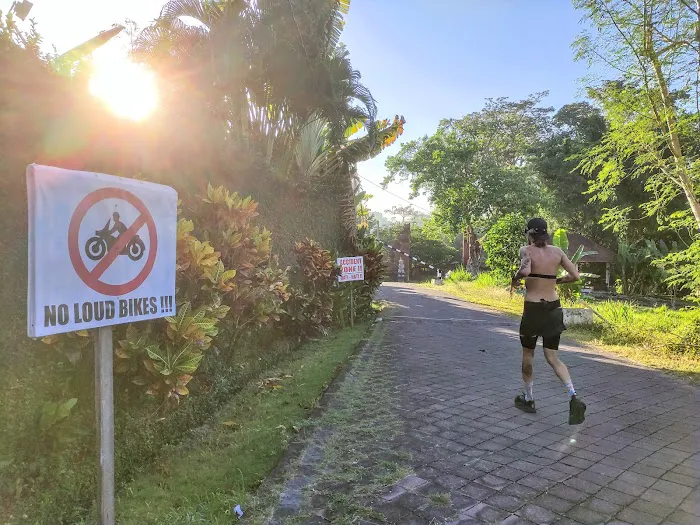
column 670, row 124
column 348, row 212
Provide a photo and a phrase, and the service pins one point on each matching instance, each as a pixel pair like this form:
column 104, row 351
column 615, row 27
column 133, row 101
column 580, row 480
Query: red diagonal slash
column 117, row 247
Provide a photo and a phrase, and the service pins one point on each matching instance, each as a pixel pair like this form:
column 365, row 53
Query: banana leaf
column 561, row 240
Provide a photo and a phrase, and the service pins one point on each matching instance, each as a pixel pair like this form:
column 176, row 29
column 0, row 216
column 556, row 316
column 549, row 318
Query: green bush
column 502, row 245
column 375, row 272
column 311, row 304
column 52, row 475
column 460, row 274
column 659, row 328
column 488, row 279
column 232, row 286
column 258, row 291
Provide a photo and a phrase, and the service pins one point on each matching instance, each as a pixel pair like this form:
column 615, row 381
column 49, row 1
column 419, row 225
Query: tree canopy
column 653, row 114
column 475, row 169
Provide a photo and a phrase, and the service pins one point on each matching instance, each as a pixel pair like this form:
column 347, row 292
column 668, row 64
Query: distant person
column 542, row 313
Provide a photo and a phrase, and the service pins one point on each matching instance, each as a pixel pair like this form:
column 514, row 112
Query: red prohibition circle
column 92, row 278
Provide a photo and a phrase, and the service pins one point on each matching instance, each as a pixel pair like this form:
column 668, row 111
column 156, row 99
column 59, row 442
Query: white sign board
column 351, row 269
column 101, row 250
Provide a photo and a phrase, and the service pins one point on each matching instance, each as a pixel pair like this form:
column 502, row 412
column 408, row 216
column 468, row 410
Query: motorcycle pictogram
column 98, row 246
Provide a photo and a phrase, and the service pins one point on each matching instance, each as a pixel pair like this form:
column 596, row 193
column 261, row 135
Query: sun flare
column 128, row 89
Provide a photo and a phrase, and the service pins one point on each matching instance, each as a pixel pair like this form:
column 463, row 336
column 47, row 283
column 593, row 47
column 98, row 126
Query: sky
column 425, row 60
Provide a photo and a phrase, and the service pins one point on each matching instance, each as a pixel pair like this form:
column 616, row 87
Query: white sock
column 570, row 388
column 528, row 391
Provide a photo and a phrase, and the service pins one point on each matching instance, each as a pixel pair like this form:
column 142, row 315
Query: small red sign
column 107, row 255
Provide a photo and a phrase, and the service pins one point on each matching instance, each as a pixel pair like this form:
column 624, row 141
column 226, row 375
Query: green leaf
column 561, row 240
column 152, row 352
column 48, row 415
column 190, row 365
column 64, row 409
column 577, row 256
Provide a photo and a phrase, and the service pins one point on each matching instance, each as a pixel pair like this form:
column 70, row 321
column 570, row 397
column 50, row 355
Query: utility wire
column 401, row 198
column 394, row 195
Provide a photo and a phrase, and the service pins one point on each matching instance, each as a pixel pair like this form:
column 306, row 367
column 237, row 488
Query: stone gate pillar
column 403, row 244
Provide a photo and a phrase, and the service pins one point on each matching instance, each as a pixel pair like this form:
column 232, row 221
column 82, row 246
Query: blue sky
column 425, row 60
column 442, row 59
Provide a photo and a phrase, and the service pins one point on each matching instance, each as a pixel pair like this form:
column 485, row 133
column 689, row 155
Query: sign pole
column 352, row 309
column 104, row 411
column 351, row 269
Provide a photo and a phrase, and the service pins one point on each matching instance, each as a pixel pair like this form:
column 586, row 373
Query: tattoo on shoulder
column 524, row 254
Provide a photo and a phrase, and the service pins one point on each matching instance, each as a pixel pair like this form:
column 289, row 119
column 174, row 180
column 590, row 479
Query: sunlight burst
column 128, row 89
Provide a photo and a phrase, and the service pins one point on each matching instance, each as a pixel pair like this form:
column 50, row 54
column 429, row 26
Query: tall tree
column 260, row 70
column 403, row 212
column 476, row 168
column 653, row 110
column 575, row 129
column 272, row 79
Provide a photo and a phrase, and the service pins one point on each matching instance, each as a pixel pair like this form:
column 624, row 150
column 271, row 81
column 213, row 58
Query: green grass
column 483, row 292
column 359, row 461
column 460, row 274
column 440, row 499
column 223, row 462
column 660, row 338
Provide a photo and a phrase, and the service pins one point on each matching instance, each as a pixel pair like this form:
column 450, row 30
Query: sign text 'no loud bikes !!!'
column 101, row 250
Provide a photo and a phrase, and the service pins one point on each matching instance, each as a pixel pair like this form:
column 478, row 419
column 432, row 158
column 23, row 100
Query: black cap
column 537, row 225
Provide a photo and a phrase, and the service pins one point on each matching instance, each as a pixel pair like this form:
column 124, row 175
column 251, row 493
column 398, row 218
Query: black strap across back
column 542, row 276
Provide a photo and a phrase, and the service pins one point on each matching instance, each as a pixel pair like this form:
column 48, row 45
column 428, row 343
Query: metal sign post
column 115, row 252
column 104, row 411
column 351, row 269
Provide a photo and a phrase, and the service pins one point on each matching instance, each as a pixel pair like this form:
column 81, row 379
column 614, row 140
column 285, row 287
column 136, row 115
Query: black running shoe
column 577, row 411
column 525, row 406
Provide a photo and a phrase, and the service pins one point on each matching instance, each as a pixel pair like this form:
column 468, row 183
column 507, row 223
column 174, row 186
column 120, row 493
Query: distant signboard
column 351, row 269
column 101, row 250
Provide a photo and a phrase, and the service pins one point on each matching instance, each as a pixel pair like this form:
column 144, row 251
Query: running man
column 542, row 313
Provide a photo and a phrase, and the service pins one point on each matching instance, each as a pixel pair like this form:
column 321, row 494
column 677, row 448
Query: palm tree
column 263, row 67
column 320, row 161
column 199, row 50
column 272, row 78
column 63, row 63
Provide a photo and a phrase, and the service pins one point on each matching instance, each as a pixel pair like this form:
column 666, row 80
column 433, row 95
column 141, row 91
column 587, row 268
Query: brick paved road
column 635, row 460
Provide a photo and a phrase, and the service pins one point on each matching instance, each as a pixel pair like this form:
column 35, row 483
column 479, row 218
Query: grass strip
column 644, row 349
column 223, row 462
column 360, row 459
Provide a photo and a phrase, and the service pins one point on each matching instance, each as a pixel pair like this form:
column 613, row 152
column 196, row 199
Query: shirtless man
column 542, row 313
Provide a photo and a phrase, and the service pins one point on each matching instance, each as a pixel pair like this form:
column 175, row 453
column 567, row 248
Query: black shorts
column 543, row 319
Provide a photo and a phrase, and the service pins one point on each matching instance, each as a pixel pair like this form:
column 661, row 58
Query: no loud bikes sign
column 101, row 250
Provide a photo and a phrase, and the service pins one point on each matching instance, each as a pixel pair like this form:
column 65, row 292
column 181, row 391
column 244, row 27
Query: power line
column 394, row 195
column 429, row 212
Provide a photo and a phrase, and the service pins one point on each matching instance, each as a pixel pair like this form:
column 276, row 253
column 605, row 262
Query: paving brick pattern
column 635, row 460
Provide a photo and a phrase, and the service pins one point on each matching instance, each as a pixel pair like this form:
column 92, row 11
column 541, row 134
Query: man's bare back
column 544, row 261
column 539, row 267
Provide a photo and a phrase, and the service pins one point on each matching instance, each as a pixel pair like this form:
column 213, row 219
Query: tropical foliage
column 652, row 114
column 312, row 301
column 249, row 91
column 474, row 168
column 571, row 291
column 502, row 244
